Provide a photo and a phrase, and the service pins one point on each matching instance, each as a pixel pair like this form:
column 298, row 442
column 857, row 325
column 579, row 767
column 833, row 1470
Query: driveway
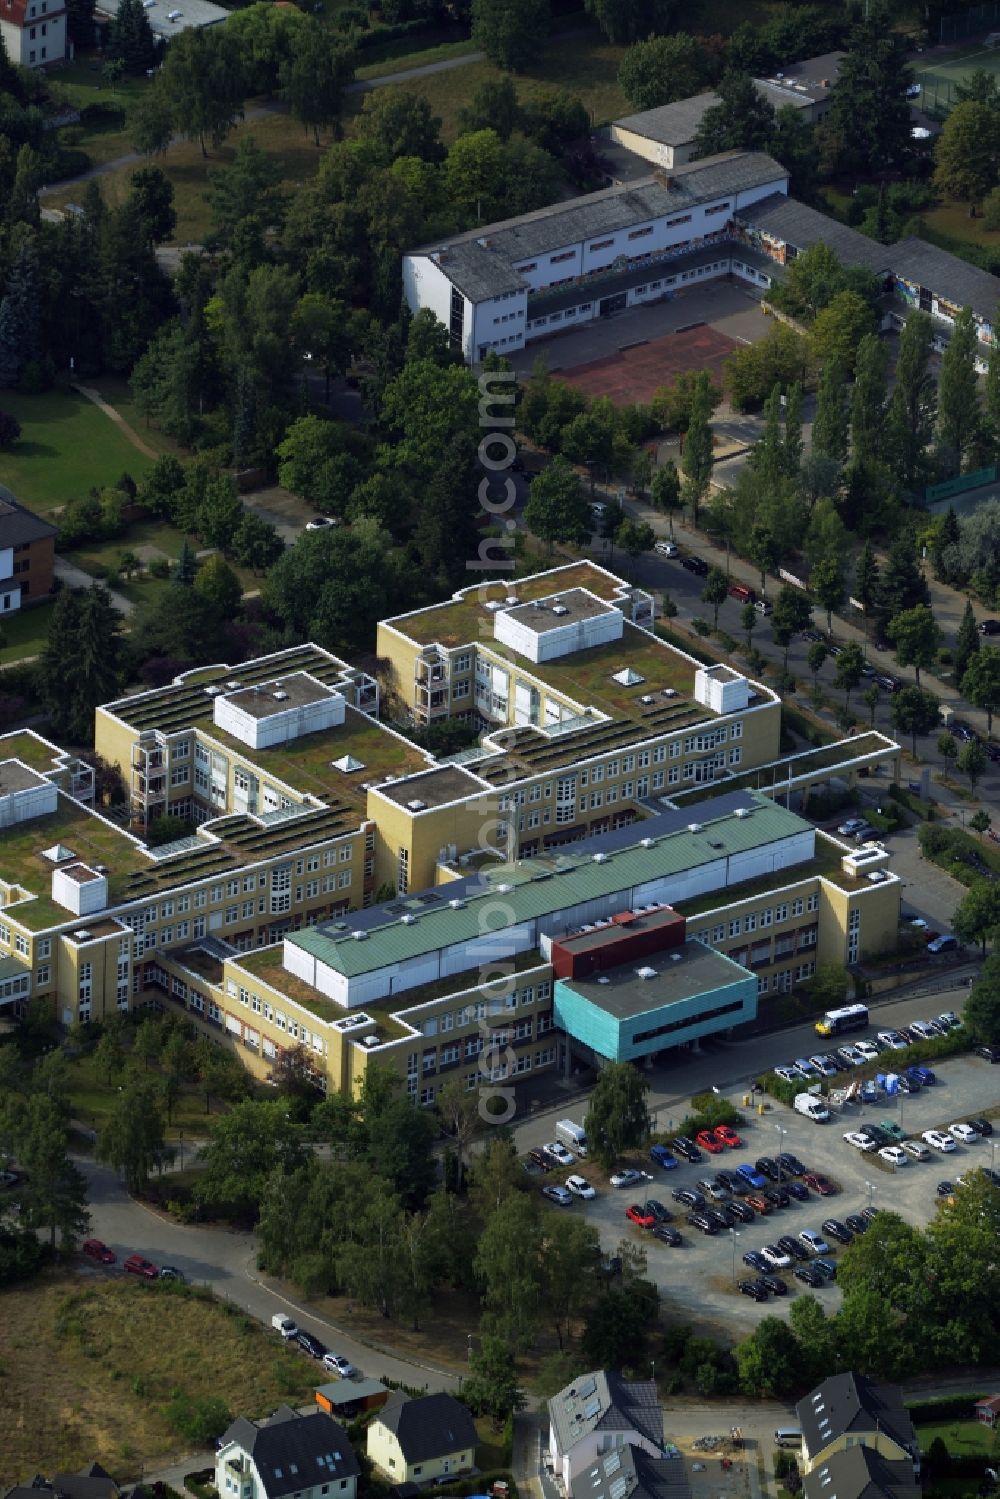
column 71, row 576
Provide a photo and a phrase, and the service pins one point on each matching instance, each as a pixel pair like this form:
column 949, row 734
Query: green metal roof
column 545, row 884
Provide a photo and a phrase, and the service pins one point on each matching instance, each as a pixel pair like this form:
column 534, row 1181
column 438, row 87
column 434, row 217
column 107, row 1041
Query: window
column 717, row 208
column 684, row 218
column 640, row 233
column 601, row 244
column 564, row 255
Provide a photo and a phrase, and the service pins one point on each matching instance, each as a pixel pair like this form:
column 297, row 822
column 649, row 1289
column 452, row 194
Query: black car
column 869, row 1214
column 659, row 1212
column 797, row 1190
column 992, row 752
column 171, row 1272
column 540, row 1159
column 811, row 635
column 991, row 1175
column 768, row 1166
column 988, row 1053
column 777, row 1196
column 839, row 1063
column 736, row 1183
column 876, row 1134
column 685, row 1147
column 837, row 1230
column 962, row 731
column 722, row 1216
column 713, row 1188
column 826, row 1268
column 981, row 1126
column 946, row 1189
column 774, row 1285
column 311, row 1345
column 704, row 1222
column 790, row 1164
column 694, row 564
column 809, row 1275
column 791, row 1246
column 989, row 627
column 857, row 1224
column 688, row 1196
column 755, row 1260
column 667, row 1235
column 754, row 1288
column 741, row 1211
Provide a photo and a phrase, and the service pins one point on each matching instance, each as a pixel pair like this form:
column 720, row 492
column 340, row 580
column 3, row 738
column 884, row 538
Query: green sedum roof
column 542, row 885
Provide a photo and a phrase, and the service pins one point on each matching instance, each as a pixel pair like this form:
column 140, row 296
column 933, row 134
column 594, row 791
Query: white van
column 812, row 1106
column 788, row 1436
column 283, row 1324
column 573, row 1136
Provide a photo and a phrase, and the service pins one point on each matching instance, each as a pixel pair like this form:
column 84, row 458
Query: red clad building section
column 626, row 938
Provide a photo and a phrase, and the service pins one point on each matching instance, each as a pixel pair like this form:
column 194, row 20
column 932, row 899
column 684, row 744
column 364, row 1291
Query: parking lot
column 696, row 1280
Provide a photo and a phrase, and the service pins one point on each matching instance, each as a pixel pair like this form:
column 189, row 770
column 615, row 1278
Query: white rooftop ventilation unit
column 456, row 905
column 409, row 919
column 213, row 691
column 694, row 827
column 743, row 811
column 280, row 696
column 559, row 609
column 645, row 843
column 645, row 973
column 81, row 935
column 603, row 979
column 512, row 599
column 416, row 805
column 360, row 936
column 600, row 858
column 233, row 685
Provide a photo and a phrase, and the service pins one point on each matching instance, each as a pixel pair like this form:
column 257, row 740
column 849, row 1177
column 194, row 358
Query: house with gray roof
column 850, row 1410
column 422, row 1440
column 598, row 1414
column 289, row 1453
column 861, row 1473
column 630, row 1472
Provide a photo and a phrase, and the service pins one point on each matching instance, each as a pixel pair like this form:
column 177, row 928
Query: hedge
column 941, row 1407
column 937, row 1048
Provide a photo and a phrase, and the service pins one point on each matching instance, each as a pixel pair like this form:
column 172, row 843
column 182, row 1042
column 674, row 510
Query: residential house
column 289, row 1453
column 33, row 31
column 861, row 1473
column 629, row 1472
column 851, row 1410
column 598, row 1414
column 27, row 543
column 423, row 1440
column 90, row 1482
column 988, row 1410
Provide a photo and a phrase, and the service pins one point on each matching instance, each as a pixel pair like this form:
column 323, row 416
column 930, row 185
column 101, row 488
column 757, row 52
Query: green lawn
column 25, row 633
column 115, row 390
column 962, row 1439
column 396, row 57
column 91, row 1100
column 67, row 445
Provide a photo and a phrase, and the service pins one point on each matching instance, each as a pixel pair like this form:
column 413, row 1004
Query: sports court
column 633, row 374
column 939, row 74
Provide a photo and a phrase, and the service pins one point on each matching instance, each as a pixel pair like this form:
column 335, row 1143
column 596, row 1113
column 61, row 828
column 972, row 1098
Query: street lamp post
column 782, row 1132
column 872, row 1190
column 733, row 1236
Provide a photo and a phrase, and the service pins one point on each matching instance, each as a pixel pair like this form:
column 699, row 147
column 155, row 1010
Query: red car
column 728, row 1136
column 819, row 1183
column 640, row 1216
column 758, row 1203
column 708, row 1140
column 136, row 1265
column 95, row 1250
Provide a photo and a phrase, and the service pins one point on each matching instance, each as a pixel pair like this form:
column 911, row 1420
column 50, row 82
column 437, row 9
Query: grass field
column 25, row 633
column 115, row 390
column 962, row 1439
column 67, row 445
column 90, row 1362
column 91, row 1100
column 938, row 77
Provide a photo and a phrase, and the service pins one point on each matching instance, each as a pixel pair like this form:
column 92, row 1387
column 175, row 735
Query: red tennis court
column 634, row 374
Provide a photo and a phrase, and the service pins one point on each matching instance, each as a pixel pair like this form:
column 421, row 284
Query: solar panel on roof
column 613, row 1463
column 619, row 1488
column 591, row 1408
column 587, row 1388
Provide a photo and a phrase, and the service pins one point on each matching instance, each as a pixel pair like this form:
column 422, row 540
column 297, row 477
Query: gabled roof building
column 289, row 1453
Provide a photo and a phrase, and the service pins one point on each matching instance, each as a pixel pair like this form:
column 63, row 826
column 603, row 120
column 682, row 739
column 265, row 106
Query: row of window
column 477, row 1010
column 737, row 925
column 544, row 1057
column 780, row 983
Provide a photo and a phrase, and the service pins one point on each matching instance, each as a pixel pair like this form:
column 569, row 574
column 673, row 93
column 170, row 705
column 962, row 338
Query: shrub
column 702, row 626
column 197, row 1418
column 944, row 1406
column 10, row 429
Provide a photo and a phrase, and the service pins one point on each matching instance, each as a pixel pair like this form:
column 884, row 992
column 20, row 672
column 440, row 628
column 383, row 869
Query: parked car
column 640, row 1216
column 667, row 1235
column 663, row 1157
column 819, row 1183
column 311, row 1345
column 824, row 1065
column 963, row 1132
column 989, row 627
column 917, row 1149
column 869, row 1214
column 850, row 1055
column 837, row 1230
column 806, row 1068
column 321, row 523
column 851, row 826
column 753, row 1288
column 713, row 1188
column 696, row 565
column 96, row 1249
column 707, row 1139
column 580, row 1187
column 895, row 1155
column 892, row 1129
column 988, row 1053
column 685, row 1147
column 792, row 1247
column 558, row 1153
column 944, row 943
column 867, row 1049
column 826, row 1268
column 763, row 606
column 981, row 1126
column 814, row 1241
column 751, row 1175
column 755, row 1259
column 559, row 1195
column 136, row 1264
column 759, row 1202
column 689, row 1197
column 775, row 1285
column 337, row 1364
column 741, row 1211
column 858, row 1140
column 171, row 1272
column 893, row 1040
column 949, row 1020
column 703, row 1222
column 788, row 1074
column 666, row 549
column 728, row 1136
column 628, row 1176
column 809, row 1275
column 776, row 1257
column 940, row 1141
column 721, row 1217
column 790, row 1164
column 768, row 1167
column 945, row 1189
column 540, row 1159
column 922, row 1076
column 797, row 1190
column 857, row 1224
column 659, row 1212
column 282, row 1323
column 732, row 1179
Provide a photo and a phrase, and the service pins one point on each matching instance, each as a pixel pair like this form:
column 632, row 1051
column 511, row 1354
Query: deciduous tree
column 914, row 711
column 661, row 68
column 981, row 682
column 617, row 1118
column 510, row 32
